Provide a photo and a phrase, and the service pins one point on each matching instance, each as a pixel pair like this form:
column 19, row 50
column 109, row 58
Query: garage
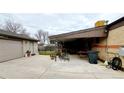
column 10, row 49
column 13, row 45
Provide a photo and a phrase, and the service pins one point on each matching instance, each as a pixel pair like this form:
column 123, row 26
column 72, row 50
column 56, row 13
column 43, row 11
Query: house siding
column 31, row 46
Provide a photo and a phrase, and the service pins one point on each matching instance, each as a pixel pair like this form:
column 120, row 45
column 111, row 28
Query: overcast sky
column 58, row 23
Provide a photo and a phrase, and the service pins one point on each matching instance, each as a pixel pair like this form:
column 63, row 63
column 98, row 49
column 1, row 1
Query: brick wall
column 115, row 41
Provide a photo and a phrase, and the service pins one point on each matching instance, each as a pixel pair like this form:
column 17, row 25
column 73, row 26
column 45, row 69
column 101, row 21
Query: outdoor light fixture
column 105, row 30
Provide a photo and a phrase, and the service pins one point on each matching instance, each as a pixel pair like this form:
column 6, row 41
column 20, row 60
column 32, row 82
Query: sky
column 57, row 23
column 46, row 15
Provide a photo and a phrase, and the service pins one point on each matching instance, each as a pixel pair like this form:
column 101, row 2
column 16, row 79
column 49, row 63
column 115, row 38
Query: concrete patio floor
column 42, row 67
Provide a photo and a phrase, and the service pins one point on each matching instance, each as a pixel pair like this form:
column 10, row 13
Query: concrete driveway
column 42, row 67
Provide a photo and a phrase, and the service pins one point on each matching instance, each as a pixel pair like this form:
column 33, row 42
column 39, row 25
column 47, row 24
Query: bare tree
column 15, row 27
column 24, row 32
column 12, row 26
column 42, row 36
column 45, row 37
column 38, row 35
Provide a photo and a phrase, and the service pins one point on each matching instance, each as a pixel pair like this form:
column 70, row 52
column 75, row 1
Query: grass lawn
column 46, row 52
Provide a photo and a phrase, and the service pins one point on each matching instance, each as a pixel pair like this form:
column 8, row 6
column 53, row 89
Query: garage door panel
column 10, row 49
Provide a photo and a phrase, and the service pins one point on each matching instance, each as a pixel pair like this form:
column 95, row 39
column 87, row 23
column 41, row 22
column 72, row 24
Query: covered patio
column 79, row 41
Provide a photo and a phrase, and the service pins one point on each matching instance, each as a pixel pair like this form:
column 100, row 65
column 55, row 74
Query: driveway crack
column 48, row 67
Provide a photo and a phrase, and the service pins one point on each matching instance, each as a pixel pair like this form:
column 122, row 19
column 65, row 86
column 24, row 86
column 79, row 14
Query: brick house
column 107, row 39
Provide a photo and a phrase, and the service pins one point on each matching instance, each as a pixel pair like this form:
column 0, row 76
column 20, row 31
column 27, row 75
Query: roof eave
column 14, row 35
column 76, row 32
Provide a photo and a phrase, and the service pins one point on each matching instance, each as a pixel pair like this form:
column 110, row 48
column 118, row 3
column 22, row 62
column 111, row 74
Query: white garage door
column 10, row 49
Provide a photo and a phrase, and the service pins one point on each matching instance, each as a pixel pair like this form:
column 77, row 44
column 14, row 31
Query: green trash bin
column 93, row 56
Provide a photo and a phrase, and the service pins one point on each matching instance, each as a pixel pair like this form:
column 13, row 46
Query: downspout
column 106, row 49
column 107, row 31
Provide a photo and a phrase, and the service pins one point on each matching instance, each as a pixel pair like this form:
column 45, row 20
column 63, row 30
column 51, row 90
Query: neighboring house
column 40, row 46
column 15, row 45
column 107, row 39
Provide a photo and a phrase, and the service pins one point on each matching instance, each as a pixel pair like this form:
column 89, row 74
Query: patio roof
column 86, row 33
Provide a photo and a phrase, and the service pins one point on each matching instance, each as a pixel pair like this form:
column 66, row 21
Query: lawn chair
column 65, row 57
